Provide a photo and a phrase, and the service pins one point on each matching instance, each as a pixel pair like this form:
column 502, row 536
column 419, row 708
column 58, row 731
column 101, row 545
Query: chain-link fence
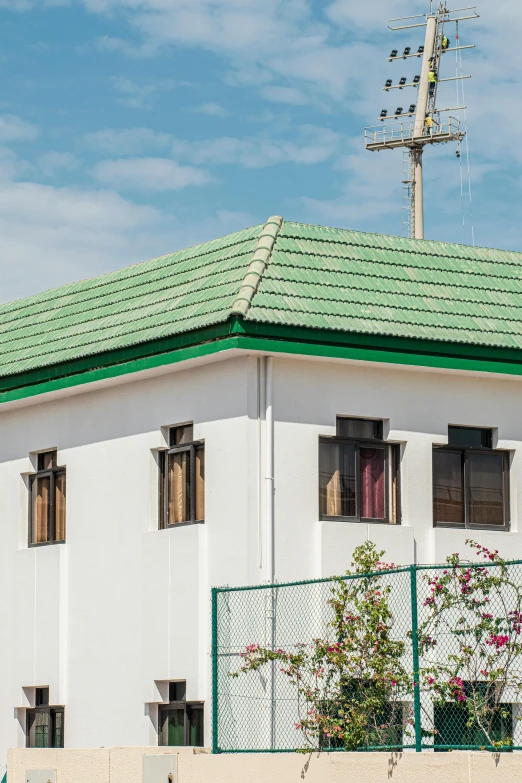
column 421, row 657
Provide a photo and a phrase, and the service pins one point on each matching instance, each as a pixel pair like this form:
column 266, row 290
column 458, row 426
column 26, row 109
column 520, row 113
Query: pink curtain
column 372, row 483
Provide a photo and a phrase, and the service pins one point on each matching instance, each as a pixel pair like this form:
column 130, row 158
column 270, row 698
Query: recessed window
column 473, row 437
column 180, row 722
column 44, row 723
column 358, row 473
column 47, row 501
column 470, row 481
column 455, row 723
column 182, row 478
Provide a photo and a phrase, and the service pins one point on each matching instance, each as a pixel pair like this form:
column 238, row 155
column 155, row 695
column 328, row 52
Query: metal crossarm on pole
column 428, row 127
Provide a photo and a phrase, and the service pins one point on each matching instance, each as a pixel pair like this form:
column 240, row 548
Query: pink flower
column 497, row 640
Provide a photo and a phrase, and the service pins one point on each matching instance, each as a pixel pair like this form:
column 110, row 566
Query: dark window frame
column 30, row 720
column 391, row 462
column 172, row 706
column 465, row 451
column 51, row 472
column 163, row 459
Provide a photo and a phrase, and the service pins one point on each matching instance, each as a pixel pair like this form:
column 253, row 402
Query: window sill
column 363, row 521
column 183, row 524
column 46, row 543
column 491, row 528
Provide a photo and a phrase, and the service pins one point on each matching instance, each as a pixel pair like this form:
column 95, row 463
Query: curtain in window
column 486, row 489
column 176, row 727
column 179, row 469
column 59, row 513
column 448, row 483
column 41, row 509
column 195, row 725
column 57, row 716
column 41, row 730
column 200, row 483
column 329, row 480
column 372, row 483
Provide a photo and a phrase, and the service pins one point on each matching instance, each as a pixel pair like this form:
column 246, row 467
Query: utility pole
column 424, row 124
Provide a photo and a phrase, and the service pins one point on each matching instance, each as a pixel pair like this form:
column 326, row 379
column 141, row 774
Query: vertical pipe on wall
column 270, row 531
column 269, row 470
column 260, row 375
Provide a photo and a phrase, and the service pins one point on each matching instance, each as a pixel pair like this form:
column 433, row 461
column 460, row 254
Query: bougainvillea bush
column 470, row 643
column 351, row 685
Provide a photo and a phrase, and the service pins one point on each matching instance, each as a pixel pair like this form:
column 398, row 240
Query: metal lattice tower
column 413, row 133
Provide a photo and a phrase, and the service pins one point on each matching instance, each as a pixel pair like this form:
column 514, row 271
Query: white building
column 255, row 345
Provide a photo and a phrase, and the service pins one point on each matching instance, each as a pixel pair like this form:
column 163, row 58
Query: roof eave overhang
column 239, row 334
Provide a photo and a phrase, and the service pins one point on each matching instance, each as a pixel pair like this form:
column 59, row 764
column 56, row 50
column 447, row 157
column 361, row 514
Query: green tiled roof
column 283, row 273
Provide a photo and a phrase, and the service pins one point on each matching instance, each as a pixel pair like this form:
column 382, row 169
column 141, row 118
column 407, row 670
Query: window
column 47, row 504
column 359, row 473
column 44, row 727
column 454, row 723
column 385, row 724
column 180, row 722
column 182, row 479
column 470, row 481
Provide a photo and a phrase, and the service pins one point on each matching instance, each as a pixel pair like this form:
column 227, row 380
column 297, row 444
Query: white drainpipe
column 269, row 471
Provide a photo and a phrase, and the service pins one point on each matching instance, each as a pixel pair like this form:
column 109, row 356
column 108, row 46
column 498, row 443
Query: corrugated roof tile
column 315, row 277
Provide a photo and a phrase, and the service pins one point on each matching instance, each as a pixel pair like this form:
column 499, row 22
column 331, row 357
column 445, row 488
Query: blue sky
column 131, row 128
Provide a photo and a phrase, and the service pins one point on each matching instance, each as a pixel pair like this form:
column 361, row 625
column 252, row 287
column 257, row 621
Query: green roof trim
column 327, row 288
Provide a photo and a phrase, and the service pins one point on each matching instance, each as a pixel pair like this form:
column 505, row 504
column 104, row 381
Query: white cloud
column 212, row 110
column 261, row 39
column 140, row 96
column 17, row 5
column 108, row 43
column 372, row 14
column 13, row 128
column 312, row 145
column 148, row 174
column 284, row 95
column 126, row 141
column 50, row 163
column 70, row 234
column 370, row 191
column 56, row 235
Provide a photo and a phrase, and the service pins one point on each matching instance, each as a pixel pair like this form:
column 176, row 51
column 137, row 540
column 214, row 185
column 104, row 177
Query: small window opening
column 180, row 722
column 44, row 722
column 366, row 429
column 47, row 501
column 182, row 478
column 41, row 697
column 473, row 437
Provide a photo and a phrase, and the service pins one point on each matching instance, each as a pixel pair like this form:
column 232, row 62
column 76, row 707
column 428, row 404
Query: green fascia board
column 404, row 345
column 238, row 334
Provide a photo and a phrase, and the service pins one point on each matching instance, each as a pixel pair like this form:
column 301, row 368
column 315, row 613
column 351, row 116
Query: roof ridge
column 256, row 269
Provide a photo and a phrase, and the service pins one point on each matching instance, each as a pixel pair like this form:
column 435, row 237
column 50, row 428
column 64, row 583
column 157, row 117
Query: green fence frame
column 413, row 571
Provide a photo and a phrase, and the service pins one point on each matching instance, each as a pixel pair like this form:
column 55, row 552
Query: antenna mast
column 424, row 124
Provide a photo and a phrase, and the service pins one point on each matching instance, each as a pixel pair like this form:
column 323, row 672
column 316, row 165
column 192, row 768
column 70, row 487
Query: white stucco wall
column 122, row 605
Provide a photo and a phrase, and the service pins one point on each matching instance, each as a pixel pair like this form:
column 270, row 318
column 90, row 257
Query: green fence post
column 415, row 651
column 215, row 727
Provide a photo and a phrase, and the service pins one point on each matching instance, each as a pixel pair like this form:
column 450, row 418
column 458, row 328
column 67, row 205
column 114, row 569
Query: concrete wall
column 124, row 765
column 122, row 606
